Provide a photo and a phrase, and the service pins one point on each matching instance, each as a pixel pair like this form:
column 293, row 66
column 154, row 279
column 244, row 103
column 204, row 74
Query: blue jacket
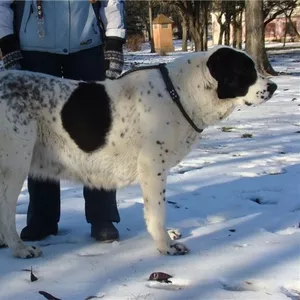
column 69, row 25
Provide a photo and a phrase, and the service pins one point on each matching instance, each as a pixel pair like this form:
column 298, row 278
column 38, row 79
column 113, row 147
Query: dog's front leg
column 152, row 178
column 8, row 199
column 13, row 171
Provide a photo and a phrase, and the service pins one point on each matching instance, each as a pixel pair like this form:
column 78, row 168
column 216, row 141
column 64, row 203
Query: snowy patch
column 235, row 201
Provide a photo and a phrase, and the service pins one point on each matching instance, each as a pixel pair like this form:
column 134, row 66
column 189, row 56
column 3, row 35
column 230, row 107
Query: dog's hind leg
column 153, row 182
column 14, row 167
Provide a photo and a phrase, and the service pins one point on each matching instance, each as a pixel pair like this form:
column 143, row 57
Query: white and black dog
column 117, row 132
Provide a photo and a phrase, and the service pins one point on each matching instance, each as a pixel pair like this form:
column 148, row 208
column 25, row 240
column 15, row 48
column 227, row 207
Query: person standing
column 74, row 39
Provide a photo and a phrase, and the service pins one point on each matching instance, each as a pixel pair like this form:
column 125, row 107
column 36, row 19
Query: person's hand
column 11, row 53
column 113, row 57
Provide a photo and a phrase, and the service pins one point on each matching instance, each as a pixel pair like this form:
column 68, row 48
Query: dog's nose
column 272, row 87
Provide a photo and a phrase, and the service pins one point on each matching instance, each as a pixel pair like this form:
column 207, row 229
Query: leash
column 170, row 88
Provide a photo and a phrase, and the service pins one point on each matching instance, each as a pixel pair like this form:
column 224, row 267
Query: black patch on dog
column 86, row 116
column 234, row 71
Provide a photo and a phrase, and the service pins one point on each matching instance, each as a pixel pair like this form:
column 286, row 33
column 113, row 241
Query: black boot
column 43, row 210
column 104, row 232
column 101, row 211
column 36, row 233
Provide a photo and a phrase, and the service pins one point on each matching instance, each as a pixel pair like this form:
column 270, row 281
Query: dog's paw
column 27, row 252
column 175, row 249
column 174, row 234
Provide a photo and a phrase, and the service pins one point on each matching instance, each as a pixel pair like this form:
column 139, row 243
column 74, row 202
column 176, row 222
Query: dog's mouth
column 248, row 103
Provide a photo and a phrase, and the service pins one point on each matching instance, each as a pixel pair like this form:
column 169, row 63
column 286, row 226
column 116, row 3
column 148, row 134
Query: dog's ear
column 233, row 70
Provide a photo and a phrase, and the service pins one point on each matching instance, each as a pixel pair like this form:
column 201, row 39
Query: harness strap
column 170, row 88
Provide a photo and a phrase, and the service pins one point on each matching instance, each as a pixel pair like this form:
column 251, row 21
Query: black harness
column 170, row 88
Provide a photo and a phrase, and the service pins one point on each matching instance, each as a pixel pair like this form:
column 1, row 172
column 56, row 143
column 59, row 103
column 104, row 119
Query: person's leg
column 44, row 196
column 100, row 205
column 101, row 211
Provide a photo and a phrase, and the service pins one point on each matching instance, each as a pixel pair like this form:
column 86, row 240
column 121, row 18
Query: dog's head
column 237, row 77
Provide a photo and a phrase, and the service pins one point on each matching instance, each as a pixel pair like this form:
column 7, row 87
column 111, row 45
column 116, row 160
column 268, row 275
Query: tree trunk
column 194, row 16
column 294, row 27
column 206, row 5
column 197, row 39
column 184, row 26
column 239, row 37
column 227, row 32
column 234, row 34
column 228, row 6
column 255, row 36
column 196, row 33
column 240, row 30
column 184, row 36
column 285, row 31
column 151, row 28
column 234, row 29
column 221, row 34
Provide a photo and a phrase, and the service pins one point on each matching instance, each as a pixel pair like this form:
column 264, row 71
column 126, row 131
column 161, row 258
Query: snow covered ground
column 235, row 198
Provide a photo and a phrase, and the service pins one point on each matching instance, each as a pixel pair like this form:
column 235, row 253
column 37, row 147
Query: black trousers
column 44, row 196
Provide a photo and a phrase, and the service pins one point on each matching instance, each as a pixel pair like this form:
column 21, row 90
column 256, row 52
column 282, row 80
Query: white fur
column 156, row 137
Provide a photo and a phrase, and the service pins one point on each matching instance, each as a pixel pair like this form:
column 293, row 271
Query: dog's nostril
column 272, row 87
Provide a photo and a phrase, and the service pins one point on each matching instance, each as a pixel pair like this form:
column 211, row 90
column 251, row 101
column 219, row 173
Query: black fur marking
column 234, row 71
column 86, row 116
column 151, row 85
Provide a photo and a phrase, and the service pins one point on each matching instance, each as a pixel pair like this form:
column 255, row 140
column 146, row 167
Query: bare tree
column 184, row 25
column 255, row 36
column 237, row 24
column 219, row 11
column 195, row 13
column 274, row 8
column 229, row 7
column 150, row 27
column 226, row 15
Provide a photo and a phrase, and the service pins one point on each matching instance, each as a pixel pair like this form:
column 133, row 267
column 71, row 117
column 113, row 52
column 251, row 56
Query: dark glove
column 113, row 57
column 11, row 52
